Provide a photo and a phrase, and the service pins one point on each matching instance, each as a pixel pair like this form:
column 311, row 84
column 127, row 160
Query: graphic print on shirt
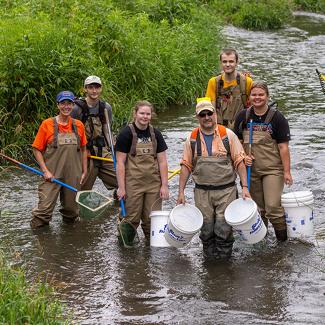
column 265, row 127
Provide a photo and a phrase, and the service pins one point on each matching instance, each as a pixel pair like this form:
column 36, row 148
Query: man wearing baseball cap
column 60, row 150
column 91, row 111
column 213, row 154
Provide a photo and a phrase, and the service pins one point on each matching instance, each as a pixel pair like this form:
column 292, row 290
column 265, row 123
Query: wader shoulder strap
column 75, row 131
column 56, row 132
column 133, row 151
column 219, row 86
column 224, row 137
column 248, row 114
column 270, row 115
column 153, row 140
column 241, row 81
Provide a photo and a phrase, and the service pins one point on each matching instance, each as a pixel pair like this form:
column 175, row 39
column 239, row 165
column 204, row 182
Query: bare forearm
column 40, row 159
column 163, row 168
column 241, row 170
column 183, row 178
column 285, row 156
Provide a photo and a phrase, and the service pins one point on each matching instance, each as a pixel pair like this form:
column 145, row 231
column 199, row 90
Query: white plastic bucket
column 243, row 216
column 158, row 225
column 183, row 223
column 298, row 207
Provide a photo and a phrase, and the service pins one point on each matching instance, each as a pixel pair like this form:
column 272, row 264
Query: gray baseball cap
column 92, row 80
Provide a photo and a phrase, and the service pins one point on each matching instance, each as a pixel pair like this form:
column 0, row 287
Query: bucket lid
column 300, row 196
column 159, row 213
column 186, row 218
column 239, row 211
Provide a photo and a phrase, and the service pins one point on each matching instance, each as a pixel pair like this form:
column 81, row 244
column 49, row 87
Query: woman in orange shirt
column 60, row 149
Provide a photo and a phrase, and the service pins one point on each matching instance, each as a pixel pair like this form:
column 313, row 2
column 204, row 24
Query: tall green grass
column 25, row 303
column 311, row 5
column 161, row 51
column 256, row 14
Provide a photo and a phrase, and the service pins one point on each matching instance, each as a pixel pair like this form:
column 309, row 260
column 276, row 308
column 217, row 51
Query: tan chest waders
column 266, row 173
column 63, row 159
column 230, row 100
column 142, row 181
column 215, row 189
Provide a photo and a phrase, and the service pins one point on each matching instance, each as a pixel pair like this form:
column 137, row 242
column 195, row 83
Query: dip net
column 92, row 204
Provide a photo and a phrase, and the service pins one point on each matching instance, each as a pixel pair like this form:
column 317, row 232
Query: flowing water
column 264, row 283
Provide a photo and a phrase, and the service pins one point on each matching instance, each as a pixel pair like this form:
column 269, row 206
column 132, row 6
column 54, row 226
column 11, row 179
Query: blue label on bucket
column 162, row 231
column 256, row 226
column 174, row 236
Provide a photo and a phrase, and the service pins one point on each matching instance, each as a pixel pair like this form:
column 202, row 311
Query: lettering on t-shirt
column 263, row 127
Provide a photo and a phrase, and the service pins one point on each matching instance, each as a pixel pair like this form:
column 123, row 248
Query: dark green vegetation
column 141, row 50
column 24, row 303
column 311, row 5
column 160, row 50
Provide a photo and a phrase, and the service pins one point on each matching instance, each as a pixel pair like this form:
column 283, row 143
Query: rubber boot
column 281, row 235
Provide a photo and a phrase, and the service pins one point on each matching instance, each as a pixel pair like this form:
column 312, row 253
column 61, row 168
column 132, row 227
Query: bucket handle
column 298, row 201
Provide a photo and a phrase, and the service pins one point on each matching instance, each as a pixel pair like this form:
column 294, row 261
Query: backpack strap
column 193, row 140
column 56, row 132
column 219, row 86
column 133, row 151
column 101, row 114
column 224, row 137
column 242, row 82
column 75, row 131
column 81, row 102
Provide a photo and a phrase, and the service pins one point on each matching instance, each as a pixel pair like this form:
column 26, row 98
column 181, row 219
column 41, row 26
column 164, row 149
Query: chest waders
column 97, row 146
column 230, row 100
column 266, row 172
column 215, row 189
column 142, row 182
column 63, row 159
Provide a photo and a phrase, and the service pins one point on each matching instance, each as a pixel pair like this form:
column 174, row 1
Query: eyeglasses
column 205, row 114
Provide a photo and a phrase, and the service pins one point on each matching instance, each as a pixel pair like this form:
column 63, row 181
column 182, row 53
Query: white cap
column 92, row 80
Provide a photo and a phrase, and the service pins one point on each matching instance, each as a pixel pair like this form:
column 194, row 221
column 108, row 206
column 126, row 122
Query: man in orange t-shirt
column 60, row 149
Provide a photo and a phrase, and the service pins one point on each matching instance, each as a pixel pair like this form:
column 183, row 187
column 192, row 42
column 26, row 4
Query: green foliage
column 24, row 303
column 311, row 5
column 260, row 16
column 159, row 50
column 256, row 14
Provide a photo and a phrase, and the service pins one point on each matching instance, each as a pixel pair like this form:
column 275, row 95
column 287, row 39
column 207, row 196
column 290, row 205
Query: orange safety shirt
column 45, row 133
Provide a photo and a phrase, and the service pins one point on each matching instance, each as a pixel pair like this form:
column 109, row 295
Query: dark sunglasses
column 205, row 114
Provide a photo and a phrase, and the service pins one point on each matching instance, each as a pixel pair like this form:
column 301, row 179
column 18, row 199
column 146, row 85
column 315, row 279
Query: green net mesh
column 92, row 204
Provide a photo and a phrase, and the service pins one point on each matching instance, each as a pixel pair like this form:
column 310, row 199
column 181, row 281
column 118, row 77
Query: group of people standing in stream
column 214, row 153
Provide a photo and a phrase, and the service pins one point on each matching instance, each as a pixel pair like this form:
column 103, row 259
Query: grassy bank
column 24, row 303
column 310, row 5
column 146, row 50
column 160, row 50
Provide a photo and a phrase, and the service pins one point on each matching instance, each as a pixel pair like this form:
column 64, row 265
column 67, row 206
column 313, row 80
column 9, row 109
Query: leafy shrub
column 311, row 5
